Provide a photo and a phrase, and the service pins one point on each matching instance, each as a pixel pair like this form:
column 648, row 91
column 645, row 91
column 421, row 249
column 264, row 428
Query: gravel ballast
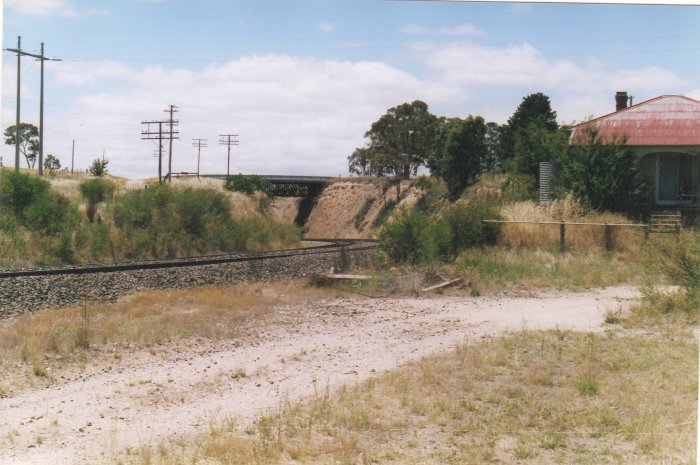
column 27, row 293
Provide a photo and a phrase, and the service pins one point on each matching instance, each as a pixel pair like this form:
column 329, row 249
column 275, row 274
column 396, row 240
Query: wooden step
column 668, row 222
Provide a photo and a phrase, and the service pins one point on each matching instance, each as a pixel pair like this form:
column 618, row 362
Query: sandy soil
column 174, row 391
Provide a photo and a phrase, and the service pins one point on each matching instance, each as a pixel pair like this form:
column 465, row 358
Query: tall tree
column 459, row 152
column 492, row 139
column 535, row 109
column 604, row 174
column 534, row 144
column 28, row 141
column 52, row 163
column 398, row 143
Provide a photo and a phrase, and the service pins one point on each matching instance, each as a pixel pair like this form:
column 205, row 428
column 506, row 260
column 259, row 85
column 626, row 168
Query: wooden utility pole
column 41, row 58
column 72, row 157
column 199, row 143
column 158, row 135
column 18, row 51
column 171, row 109
column 228, row 140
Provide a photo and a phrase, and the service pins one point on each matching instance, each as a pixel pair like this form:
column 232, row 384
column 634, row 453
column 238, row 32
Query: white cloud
column 326, row 27
column 414, row 29
column 467, row 68
column 294, row 115
column 306, row 115
column 52, row 7
column 457, row 30
column 86, row 72
column 460, row 30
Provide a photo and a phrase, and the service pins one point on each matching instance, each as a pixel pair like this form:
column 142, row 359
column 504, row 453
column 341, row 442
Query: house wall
column 689, row 173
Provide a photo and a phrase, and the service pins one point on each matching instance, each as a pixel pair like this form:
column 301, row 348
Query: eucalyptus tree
column 398, row 143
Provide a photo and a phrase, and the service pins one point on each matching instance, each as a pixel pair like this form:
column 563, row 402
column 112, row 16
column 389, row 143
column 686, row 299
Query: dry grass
column 578, row 237
column 498, row 268
column 33, row 343
column 529, row 398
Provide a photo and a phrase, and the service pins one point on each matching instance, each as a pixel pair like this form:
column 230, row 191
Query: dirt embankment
column 355, row 210
column 348, row 209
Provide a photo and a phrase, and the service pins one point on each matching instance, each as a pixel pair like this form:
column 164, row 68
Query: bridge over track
column 290, row 186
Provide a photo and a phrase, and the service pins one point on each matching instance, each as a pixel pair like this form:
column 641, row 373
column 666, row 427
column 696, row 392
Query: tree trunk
column 398, row 189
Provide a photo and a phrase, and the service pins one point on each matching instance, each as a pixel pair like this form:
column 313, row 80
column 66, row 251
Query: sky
column 301, row 81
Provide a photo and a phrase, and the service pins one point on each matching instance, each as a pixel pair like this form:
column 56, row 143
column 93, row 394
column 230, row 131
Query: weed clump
column 678, row 260
column 95, row 191
column 416, row 237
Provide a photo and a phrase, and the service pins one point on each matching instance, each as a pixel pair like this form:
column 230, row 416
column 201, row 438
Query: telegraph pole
column 159, row 135
column 171, row 109
column 18, row 51
column 199, row 143
column 151, row 135
column 41, row 58
column 228, row 140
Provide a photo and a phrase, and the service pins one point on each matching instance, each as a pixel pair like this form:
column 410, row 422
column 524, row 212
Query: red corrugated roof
column 664, row 120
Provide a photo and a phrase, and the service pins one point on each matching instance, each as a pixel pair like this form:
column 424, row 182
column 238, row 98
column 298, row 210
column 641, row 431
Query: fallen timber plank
column 441, row 285
column 349, row 276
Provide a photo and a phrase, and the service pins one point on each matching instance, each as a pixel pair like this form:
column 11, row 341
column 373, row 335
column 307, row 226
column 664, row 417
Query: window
column 676, row 179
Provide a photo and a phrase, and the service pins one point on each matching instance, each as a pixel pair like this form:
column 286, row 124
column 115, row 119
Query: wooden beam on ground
column 445, row 284
column 358, row 277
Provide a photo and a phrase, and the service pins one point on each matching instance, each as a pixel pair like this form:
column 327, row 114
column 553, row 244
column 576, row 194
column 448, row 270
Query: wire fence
column 607, row 229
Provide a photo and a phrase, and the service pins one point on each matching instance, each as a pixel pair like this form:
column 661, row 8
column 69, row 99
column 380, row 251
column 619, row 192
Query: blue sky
column 301, row 81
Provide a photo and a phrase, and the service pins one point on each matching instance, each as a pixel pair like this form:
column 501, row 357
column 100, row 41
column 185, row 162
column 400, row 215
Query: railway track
column 23, row 290
column 329, row 246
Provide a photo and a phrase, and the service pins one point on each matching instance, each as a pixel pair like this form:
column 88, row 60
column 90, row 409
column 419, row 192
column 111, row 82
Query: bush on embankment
column 38, row 226
column 34, row 221
column 416, row 237
column 164, row 222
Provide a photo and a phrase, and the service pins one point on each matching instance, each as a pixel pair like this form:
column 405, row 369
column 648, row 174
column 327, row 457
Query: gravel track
column 92, row 416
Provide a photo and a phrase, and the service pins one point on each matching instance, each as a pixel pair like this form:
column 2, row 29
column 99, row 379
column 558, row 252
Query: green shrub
column 518, row 188
column 28, row 201
column 51, row 214
column 164, row 222
column 414, row 237
column 18, row 191
column 679, row 260
column 467, row 229
column 95, row 191
column 604, row 174
column 98, row 167
column 246, row 183
column 404, row 237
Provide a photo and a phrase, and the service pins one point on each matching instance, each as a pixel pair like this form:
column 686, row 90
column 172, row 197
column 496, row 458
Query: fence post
column 608, row 236
column 562, row 233
column 646, row 233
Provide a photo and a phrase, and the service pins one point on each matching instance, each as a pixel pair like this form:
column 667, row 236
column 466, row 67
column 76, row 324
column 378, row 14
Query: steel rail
column 203, row 260
column 634, row 225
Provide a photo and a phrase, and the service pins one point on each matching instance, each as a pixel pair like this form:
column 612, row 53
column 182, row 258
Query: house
column 665, row 131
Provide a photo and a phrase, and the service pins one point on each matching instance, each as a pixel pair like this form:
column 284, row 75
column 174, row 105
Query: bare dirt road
column 175, row 391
